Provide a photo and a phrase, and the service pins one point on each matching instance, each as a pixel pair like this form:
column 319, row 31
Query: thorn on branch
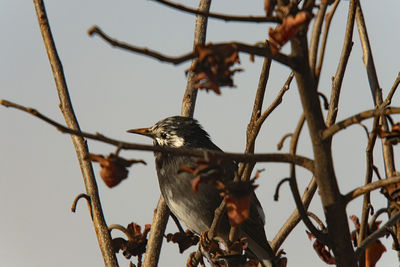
column 276, row 195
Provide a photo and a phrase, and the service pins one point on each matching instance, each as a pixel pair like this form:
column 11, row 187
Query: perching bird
column 196, row 210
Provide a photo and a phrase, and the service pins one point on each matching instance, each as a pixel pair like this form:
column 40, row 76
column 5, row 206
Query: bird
column 196, row 210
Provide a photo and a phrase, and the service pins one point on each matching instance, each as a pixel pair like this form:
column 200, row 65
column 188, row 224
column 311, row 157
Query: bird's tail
column 264, row 254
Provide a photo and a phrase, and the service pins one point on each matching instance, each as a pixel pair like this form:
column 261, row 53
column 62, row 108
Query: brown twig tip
column 77, row 198
column 92, row 30
column 276, row 195
column 280, row 144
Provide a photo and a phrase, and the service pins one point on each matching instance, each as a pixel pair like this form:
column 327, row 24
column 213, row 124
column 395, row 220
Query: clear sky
column 113, row 90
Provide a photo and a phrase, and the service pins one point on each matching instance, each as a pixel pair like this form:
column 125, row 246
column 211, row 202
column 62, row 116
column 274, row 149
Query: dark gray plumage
column 196, row 210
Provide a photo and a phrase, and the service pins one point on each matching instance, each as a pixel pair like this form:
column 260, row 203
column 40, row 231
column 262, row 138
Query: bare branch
column 368, row 178
column 328, row 20
column 281, row 182
column 261, row 51
column 102, row 233
column 358, row 118
column 280, row 144
column 219, row 16
column 344, row 57
column 316, row 33
column 370, row 187
column 268, row 157
column 140, row 50
column 389, row 97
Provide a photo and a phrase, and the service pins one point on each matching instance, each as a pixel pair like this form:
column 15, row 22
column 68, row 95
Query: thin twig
column 325, row 100
column 278, row 187
column 316, row 219
column 280, row 144
column 294, row 218
column 76, row 200
column 219, row 16
column 122, row 229
column 267, row 157
column 102, row 233
column 177, row 223
column 358, row 118
column 376, row 235
column 261, row 119
column 368, row 178
column 315, row 36
column 140, row 50
column 256, row 50
column 375, row 88
column 277, row 100
column 370, row 187
column 328, row 20
column 341, row 68
column 389, row 97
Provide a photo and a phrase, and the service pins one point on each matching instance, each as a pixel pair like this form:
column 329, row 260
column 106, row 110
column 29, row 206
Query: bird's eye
column 163, row 135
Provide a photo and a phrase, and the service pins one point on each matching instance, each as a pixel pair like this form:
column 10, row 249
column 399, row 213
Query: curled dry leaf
column 136, row 243
column 213, row 68
column 184, row 240
column 373, row 253
column 323, row 251
column 287, row 30
column 375, row 250
column 113, row 168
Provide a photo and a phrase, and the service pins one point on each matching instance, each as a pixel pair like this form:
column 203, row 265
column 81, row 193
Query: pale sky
column 113, row 90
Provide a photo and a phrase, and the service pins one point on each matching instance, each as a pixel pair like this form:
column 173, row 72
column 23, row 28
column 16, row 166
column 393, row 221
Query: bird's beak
column 142, row 131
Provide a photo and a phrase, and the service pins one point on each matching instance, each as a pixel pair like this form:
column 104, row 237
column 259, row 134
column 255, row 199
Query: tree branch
column 262, row 51
column 341, row 69
column 328, row 20
column 140, row 50
column 327, row 133
column 370, row 187
column 389, row 97
column 219, row 16
column 100, row 226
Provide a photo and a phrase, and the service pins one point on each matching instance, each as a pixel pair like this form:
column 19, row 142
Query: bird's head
column 176, row 131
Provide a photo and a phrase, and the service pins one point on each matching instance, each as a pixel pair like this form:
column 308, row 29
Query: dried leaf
column 373, row 253
column 184, row 240
column 213, row 68
column 287, row 30
column 113, row 168
column 323, row 252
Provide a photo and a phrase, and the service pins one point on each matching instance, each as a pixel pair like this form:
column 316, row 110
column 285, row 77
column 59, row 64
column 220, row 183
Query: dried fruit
column 113, row 168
